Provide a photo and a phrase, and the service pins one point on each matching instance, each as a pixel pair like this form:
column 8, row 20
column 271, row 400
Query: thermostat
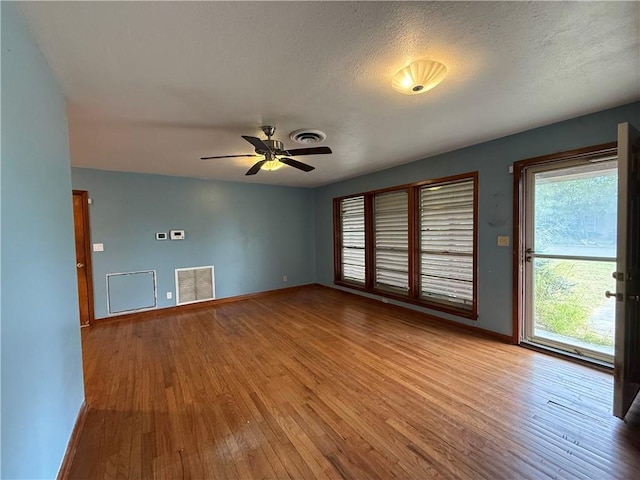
column 161, row 235
column 177, row 234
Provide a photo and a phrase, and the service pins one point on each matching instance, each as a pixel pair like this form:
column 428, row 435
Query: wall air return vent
column 195, row 284
column 307, row 137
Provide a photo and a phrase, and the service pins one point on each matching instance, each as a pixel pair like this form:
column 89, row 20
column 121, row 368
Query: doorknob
column 617, row 296
column 79, row 265
column 528, row 252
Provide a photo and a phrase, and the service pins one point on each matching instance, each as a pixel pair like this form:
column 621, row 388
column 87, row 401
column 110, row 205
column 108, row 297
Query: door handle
column 79, row 265
column 528, row 252
column 617, row 296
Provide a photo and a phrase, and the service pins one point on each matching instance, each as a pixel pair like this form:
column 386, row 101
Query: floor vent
column 194, row 284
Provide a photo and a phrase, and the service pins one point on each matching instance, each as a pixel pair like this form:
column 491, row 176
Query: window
column 416, row 243
column 446, row 243
column 352, row 226
column 391, row 230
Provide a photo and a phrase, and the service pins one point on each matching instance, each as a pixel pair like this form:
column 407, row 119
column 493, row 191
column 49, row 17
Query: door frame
column 84, row 195
column 519, row 207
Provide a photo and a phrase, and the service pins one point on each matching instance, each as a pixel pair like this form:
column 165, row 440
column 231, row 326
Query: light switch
column 98, row 247
column 503, row 240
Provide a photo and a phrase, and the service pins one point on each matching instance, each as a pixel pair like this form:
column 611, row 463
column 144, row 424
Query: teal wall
column 42, row 387
column 252, row 234
column 252, row 240
column 492, row 160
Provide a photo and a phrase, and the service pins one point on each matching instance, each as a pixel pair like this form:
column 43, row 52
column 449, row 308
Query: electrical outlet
column 284, row 278
column 169, row 295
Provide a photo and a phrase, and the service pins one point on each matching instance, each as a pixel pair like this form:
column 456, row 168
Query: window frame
column 413, row 294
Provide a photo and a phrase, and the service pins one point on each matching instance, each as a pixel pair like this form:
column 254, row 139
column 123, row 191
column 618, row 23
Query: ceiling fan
column 274, row 154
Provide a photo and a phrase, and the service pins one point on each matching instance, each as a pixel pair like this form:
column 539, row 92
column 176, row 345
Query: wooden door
column 627, row 348
column 83, row 255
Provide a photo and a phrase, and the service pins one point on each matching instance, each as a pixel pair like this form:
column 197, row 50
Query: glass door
column 570, row 256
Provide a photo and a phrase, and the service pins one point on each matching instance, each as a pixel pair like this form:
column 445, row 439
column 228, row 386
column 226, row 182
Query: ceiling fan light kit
column 272, row 165
column 273, row 154
column 419, row 77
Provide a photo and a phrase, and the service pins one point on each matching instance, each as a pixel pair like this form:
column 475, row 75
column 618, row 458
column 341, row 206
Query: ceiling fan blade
column 256, row 142
column 296, row 164
column 309, row 151
column 231, row 156
column 256, row 168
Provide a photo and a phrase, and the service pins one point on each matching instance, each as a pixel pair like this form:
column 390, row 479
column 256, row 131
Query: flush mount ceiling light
column 419, row 77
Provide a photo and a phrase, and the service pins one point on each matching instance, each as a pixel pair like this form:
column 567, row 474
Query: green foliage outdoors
column 563, row 305
column 574, row 211
column 565, row 211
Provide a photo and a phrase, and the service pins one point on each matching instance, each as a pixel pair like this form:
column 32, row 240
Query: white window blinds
column 391, row 231
column 446, row 243
column 352, row 225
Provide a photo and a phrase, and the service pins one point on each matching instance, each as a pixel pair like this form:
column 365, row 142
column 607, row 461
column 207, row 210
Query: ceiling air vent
column 307, row 137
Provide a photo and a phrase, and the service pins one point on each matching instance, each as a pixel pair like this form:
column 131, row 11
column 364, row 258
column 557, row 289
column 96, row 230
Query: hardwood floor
column 317, row 383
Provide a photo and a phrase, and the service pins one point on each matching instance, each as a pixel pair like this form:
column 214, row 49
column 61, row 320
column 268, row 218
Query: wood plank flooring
column 317, row 383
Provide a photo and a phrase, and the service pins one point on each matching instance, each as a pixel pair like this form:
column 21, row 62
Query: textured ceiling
column 152, row 86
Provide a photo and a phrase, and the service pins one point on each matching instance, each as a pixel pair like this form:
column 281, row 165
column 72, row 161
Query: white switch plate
column 98, row 247
column 503, row 240
column 176, row 234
